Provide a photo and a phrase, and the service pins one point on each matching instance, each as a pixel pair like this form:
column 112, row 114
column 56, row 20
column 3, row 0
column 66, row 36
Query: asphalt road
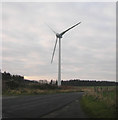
column 38, row 106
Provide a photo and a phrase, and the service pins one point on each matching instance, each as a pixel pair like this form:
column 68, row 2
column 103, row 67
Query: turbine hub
column 58, row 35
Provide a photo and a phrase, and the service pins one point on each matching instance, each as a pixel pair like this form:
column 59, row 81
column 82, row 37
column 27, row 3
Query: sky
column 88, row 50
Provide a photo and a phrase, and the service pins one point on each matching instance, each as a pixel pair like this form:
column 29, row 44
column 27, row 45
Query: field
column 100, row 102
column 35, row 89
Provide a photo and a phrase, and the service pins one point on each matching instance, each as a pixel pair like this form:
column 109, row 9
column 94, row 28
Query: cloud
column 88, row 51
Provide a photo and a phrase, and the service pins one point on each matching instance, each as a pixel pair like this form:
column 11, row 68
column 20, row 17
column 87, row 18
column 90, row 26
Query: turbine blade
column 54, row 50
column 51, row 29
column 69, row 28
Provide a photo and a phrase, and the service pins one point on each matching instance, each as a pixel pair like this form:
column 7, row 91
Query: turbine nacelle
column 58, row 35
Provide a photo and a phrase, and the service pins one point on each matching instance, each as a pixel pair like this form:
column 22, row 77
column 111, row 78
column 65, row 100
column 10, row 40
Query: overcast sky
column 88, row 50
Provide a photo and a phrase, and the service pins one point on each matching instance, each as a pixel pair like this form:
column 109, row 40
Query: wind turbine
column 58, row 37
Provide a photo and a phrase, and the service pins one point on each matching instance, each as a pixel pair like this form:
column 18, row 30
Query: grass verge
column 36, row 91
column 100, row 104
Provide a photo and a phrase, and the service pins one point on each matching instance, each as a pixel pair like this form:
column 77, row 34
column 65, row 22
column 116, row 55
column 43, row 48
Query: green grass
column 100, row 103
column 97, row 109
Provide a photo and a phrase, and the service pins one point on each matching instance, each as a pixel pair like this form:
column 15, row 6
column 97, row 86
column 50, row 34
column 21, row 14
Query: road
column 37, row 106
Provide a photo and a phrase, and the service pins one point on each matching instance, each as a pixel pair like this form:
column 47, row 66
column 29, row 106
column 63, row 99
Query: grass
column 38, row 91
column 100, row 102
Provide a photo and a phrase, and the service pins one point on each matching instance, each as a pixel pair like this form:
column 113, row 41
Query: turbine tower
column 58, row 38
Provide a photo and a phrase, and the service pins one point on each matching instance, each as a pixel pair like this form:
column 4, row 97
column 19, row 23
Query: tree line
column 78, row 82
column 11, row 81
column 16, row 81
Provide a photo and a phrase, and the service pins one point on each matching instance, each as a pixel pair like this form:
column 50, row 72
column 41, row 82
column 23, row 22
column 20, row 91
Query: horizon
column 70, row 79
column 25, row 78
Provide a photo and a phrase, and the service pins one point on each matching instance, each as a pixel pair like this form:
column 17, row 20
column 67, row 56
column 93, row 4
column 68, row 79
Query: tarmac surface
column 61, row 105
